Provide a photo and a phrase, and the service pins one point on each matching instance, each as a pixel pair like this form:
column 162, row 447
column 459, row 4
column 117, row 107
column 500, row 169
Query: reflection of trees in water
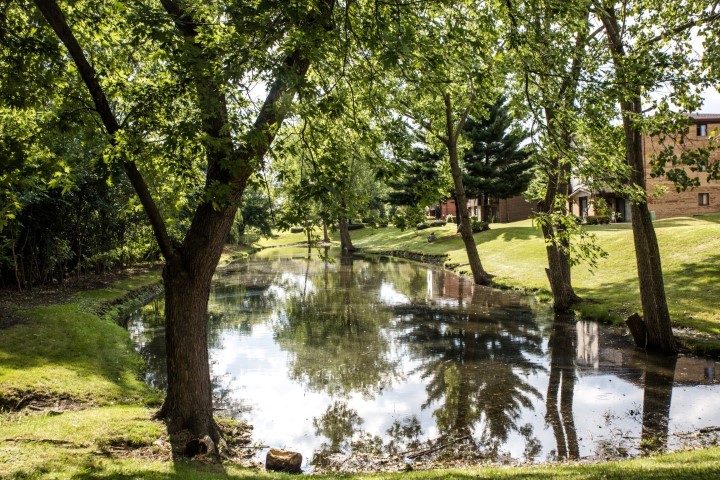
column 334, row 334
column 561, row 383
column 475, row 367
column 341, row 426
column 338, row 424
column 147, row 330
column 148, row 334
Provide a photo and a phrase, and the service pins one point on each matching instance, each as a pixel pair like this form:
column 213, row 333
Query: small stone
column 283, row 461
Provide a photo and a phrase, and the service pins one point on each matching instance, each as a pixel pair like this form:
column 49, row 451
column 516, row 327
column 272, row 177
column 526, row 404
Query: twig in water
column 435, row 449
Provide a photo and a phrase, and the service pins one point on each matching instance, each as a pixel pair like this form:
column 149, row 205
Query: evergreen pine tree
column 496, row 164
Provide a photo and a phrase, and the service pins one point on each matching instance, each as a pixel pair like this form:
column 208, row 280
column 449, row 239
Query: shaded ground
column 11, row 298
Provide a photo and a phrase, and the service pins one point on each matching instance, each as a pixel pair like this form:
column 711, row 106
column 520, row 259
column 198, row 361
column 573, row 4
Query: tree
column 330, row 163
column 648, row 46
column 497, row 165
column 190, row 57
column 551, row 55
column 420, row 181
column 441, row 60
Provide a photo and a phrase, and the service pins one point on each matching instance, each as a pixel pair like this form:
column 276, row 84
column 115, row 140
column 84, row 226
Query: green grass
column 515, row 254
column 66, row 351
column 77, row 445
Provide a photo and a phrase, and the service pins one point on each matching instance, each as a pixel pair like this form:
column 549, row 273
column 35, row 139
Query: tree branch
column 682, row 27
column 55, row 18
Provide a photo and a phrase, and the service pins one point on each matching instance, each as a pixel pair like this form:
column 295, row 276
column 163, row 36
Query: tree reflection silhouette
column 657, row 396
column 334, row 335
column 561, row 382
column 338, row 424
column 475, row 366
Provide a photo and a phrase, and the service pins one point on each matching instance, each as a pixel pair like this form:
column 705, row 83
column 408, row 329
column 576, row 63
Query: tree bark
column 647, row 251
column 326, row 237
column 558, row 176
column 188, row 402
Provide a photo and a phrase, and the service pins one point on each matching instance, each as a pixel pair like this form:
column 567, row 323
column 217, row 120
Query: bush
column 436, row 223
column 296, row 229
column 450, row 219
column 422, row 226
column 478, row 226
column 356, row 226
column 597, row 219
column 400, row 222
column 370, row 221
column 383, row 223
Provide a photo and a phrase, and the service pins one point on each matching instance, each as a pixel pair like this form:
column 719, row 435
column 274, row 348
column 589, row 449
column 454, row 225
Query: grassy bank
column 515, row 254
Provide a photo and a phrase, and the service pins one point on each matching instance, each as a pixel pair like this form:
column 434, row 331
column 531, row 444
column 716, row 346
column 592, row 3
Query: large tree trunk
column 187, row 278
column 188, row 403
column 647, row 252
column 345, row 240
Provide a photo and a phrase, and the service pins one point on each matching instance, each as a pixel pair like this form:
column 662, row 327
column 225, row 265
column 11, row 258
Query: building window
column 702, row 129
column 703, row 199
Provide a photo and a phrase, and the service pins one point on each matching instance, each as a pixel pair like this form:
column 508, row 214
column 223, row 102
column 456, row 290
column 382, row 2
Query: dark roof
column 705, row 117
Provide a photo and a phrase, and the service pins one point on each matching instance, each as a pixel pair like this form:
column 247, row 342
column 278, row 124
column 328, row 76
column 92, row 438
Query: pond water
column 382, row 358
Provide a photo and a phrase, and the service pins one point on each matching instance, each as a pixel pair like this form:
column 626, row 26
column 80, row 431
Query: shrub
column 597, row 219
column 450, row 219
column 436, row 223
column 296, row 229
column 478, row 226
column 356, row 226
column 383, row 223
column 422, row 226
column 371, row 221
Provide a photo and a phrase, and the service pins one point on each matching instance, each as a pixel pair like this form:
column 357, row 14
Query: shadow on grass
column 682, row 466
column 509, row 234
column 690, row 288
column 710, row 217
column 688, row 222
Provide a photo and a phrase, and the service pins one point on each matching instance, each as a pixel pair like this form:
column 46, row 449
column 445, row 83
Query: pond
column 365, row 363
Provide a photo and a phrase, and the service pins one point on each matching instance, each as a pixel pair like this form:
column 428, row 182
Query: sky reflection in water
column 381, row 356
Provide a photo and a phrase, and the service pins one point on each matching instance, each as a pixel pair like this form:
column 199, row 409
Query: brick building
column 703, row 199
column 663, row 200
column 490, row 209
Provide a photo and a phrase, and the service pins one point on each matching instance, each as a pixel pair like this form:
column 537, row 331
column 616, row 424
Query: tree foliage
column 496, row 162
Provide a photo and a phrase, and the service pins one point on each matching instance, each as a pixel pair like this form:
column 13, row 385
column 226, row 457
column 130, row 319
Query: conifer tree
column 496, row 164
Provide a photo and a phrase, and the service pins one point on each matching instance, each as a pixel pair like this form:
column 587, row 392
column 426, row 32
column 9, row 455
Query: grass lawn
column 515, row 254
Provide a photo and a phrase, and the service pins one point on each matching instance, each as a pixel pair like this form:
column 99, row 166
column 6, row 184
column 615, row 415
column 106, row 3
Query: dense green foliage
column 497, row 164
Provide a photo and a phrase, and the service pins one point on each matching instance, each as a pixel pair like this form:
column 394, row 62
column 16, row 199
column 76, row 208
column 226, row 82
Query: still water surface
column 380, row 356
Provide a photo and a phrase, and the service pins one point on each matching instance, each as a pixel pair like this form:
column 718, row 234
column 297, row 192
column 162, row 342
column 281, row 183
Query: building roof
column 705, row 117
